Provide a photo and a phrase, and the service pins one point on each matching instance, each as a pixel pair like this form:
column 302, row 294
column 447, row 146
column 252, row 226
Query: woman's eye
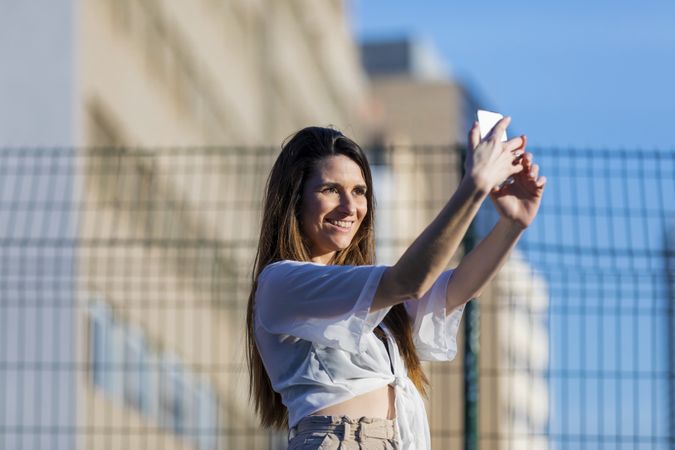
column 360, row 191
column 331, row 190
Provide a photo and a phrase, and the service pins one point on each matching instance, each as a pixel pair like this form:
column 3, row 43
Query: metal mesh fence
column 124, row 277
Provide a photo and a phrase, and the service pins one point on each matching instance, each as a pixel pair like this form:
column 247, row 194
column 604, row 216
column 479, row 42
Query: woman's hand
column 519, row 201
column 489, row 162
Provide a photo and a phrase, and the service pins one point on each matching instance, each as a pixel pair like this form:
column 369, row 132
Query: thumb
column 474, row 136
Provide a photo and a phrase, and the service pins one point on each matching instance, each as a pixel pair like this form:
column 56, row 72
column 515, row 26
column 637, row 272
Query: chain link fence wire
column 125, row 272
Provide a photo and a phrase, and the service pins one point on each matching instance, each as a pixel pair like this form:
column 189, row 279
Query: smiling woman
column 334, row 341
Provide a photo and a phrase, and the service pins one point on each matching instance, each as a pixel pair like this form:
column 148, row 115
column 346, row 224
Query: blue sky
column 595, row 74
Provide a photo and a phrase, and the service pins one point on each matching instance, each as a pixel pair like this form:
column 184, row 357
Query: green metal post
column 471, row 350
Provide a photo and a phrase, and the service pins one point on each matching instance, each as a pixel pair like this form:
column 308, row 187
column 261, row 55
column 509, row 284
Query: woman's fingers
column 515, row 145
column 494, row 160
column 516, row 168
column 525, row 160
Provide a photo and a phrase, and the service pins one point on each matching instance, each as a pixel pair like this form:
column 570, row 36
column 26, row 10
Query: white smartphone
column 487, row 120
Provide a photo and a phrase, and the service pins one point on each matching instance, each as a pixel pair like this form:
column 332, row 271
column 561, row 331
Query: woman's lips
column 344, row 225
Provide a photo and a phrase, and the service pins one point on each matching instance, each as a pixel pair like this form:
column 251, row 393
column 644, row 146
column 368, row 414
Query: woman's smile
column 342, row 225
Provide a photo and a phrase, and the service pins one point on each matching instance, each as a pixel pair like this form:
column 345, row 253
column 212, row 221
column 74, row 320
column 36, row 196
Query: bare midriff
column 377, row 403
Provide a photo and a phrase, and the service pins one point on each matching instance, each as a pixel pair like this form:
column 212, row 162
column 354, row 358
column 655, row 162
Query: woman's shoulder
column 287, row 277
column 287, row 270
column 287, row 264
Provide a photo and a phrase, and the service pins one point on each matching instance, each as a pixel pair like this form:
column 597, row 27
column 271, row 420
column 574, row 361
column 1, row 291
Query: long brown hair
column 281, row 239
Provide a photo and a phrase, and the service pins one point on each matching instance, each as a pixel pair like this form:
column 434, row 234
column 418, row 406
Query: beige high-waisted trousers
column 343, row 433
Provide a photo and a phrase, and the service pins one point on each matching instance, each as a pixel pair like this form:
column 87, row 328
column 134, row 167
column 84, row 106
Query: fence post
column 471, row 348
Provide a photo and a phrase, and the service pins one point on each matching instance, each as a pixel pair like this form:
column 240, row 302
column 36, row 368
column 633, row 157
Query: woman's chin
column 339, row 245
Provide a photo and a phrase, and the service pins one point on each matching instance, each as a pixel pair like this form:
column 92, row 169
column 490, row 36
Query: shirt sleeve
column 326, row 304
column 434, row 330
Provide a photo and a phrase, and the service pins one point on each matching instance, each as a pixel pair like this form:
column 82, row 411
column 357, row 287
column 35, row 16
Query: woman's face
column 333, row 206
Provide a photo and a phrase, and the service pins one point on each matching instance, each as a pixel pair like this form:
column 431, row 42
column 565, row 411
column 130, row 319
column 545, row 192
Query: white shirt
column 314, row 331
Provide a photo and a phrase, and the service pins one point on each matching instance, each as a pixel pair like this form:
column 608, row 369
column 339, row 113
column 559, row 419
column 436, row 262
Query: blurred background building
column 240, row 73
column 422, row 115
column 207, row 73
column 416, row 100
column 144, row 336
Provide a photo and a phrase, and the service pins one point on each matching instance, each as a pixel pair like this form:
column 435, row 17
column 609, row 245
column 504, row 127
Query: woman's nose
column 348, row 204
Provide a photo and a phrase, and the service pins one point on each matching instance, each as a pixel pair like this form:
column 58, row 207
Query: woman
column 335, row 342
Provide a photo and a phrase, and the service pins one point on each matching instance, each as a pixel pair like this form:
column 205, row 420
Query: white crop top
column 314, row 331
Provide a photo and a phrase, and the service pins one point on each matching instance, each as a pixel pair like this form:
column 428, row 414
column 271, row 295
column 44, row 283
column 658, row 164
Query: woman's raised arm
column 517, row 204
column 488, row 164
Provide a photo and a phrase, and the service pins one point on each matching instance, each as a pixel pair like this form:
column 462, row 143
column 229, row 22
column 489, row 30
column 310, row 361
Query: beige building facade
column 174, row 78
column 175, row 111
column 218, row 73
